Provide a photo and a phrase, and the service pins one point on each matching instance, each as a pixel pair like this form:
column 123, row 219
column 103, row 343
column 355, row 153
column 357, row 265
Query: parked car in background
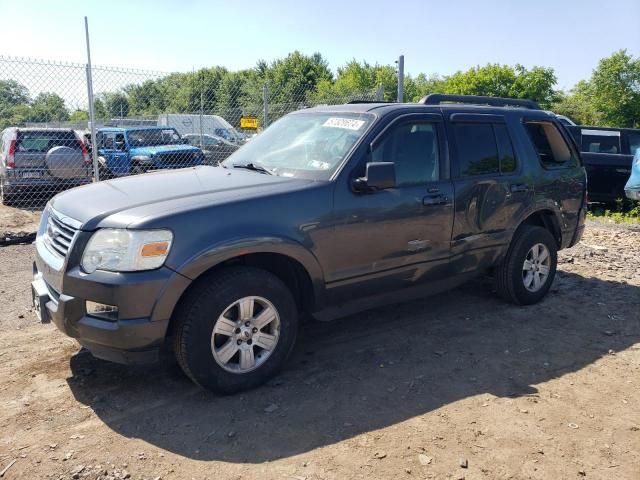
column 35, row 161
column 125, row 151
column 196, row 124
column 607, row 154
column 632, row 188
column 215, row 149
column 329, row 211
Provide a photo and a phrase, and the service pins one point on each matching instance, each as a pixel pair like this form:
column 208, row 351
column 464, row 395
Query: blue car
column 632, row 188
column 126, row 151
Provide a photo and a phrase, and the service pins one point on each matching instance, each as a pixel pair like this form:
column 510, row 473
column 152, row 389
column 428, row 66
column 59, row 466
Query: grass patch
column 625, row 211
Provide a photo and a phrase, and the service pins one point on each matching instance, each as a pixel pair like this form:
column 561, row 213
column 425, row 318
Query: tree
column 577, row 105
column 79, row 116
column 497, row 80
column 48, row 107
column 355, row 78
column 14, row 103
column 116, row 104
column 292, row 78
column 615, row 90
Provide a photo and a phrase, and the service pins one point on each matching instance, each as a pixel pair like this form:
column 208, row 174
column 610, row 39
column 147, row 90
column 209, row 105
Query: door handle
column 519, row 187
column 439, row 199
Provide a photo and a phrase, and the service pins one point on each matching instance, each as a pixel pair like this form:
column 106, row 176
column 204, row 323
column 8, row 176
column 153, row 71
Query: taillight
column 85, row 153
column 11, row 156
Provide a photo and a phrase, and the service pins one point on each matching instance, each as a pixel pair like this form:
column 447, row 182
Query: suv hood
column 156, row 149
column 129, row 200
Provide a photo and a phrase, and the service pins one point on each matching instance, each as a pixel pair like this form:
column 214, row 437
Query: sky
column 436, row 37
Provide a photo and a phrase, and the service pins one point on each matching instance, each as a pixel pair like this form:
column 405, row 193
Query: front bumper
column 145, row 301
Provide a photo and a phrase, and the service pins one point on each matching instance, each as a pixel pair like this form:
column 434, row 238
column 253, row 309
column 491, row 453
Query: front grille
column 59, row 235
column 178, row 159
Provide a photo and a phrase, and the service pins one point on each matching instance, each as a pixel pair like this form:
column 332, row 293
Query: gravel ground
column 456, row 386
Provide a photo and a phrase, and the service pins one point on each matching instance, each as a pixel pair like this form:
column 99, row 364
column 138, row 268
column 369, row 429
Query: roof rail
column 438, row 98
column 355, row 102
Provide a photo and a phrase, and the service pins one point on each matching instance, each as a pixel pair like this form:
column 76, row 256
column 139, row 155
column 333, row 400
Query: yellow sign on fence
column 249, row 122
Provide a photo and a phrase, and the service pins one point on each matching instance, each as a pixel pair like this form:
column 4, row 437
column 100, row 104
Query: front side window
column 549, row 144
column 305, row 145
column 413, row 149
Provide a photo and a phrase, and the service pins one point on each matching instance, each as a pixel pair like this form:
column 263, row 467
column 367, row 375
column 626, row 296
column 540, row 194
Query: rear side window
column 43, row 141
column 549, row 144
column 594, row 141
column 484, row 149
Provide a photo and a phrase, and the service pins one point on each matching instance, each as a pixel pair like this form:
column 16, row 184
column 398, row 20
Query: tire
column 513, row 276
column 201, row 353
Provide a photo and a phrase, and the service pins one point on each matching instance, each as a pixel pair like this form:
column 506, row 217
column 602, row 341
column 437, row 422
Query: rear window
column 43, row 141
column 552, row 149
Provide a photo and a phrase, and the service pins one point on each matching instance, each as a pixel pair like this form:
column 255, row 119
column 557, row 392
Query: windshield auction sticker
column 348, row 123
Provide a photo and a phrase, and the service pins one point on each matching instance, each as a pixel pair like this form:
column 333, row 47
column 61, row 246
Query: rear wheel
column 235, row 329
column 5, row 198
column 527, row 272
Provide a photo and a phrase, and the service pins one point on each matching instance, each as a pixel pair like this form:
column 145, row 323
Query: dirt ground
column 456, row 386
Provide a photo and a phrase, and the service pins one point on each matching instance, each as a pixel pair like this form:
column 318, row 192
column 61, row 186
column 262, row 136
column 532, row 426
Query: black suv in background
column 328, row 211
column 607, row 154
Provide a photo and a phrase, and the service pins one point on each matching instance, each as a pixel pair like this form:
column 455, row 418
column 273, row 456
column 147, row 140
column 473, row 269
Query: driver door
column 394, row 238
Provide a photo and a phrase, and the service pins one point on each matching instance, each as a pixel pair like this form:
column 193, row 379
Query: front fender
column 209, row 258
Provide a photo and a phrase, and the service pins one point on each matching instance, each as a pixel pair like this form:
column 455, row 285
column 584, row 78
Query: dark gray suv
column 328, row 211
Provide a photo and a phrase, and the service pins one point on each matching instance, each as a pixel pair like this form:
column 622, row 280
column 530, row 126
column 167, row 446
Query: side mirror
column 380, row 176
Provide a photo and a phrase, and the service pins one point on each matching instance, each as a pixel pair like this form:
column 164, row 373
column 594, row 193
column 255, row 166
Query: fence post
column 265, row 105
column 400, row 79
column 92, row 114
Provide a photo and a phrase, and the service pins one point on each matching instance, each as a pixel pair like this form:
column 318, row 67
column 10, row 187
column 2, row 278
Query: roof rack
column 438, row 98
column 355, row 102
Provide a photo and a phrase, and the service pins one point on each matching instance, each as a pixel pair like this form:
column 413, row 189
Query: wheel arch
column 292, row 264
column 547, row 219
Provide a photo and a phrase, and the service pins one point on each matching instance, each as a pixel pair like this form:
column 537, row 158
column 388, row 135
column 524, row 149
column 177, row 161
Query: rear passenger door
column 490, row 189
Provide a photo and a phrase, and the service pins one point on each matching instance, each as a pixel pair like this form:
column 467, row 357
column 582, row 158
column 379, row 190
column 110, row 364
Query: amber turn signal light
column 154, row 249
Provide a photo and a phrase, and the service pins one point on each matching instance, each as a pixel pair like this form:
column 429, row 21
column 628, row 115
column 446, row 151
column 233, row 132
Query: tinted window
column 413, row 148
column 549, row 144
column 477, row 149
column 41, row 141
column 605, row 142
column 505, row 149
column 634, row 142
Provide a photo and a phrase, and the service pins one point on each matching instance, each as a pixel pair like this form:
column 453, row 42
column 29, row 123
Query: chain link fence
column 144, row 121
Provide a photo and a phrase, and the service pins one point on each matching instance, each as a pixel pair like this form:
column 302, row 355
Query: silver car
column 41, row 161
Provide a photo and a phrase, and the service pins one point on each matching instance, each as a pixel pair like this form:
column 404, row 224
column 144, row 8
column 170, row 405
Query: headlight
column 121, row 250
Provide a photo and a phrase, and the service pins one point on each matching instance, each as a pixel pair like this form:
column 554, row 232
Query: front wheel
column 235, row 329
column 527, row 272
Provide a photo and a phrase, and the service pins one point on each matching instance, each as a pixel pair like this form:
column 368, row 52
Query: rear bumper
column 632, row 194
column 13, row 183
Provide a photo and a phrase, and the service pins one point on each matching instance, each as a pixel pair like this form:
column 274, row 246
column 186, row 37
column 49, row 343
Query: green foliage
column 626, row 212
column 116, row 104
column 79, row 116
column 48, row 107
column 610, row 98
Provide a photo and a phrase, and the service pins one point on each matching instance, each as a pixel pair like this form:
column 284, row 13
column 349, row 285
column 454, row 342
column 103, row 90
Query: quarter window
column 551, row 148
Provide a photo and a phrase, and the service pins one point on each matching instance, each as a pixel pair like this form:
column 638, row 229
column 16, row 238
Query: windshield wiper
column 256, row 167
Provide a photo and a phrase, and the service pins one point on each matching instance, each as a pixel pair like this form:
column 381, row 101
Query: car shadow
column 370, row 371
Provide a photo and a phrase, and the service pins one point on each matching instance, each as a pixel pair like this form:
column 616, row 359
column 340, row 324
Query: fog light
column 108, row 312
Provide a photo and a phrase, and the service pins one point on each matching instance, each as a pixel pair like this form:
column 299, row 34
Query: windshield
column 148, row 138
column 306, row 145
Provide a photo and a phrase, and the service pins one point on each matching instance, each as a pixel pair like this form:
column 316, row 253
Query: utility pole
column 92, row 114
column 400, row 72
